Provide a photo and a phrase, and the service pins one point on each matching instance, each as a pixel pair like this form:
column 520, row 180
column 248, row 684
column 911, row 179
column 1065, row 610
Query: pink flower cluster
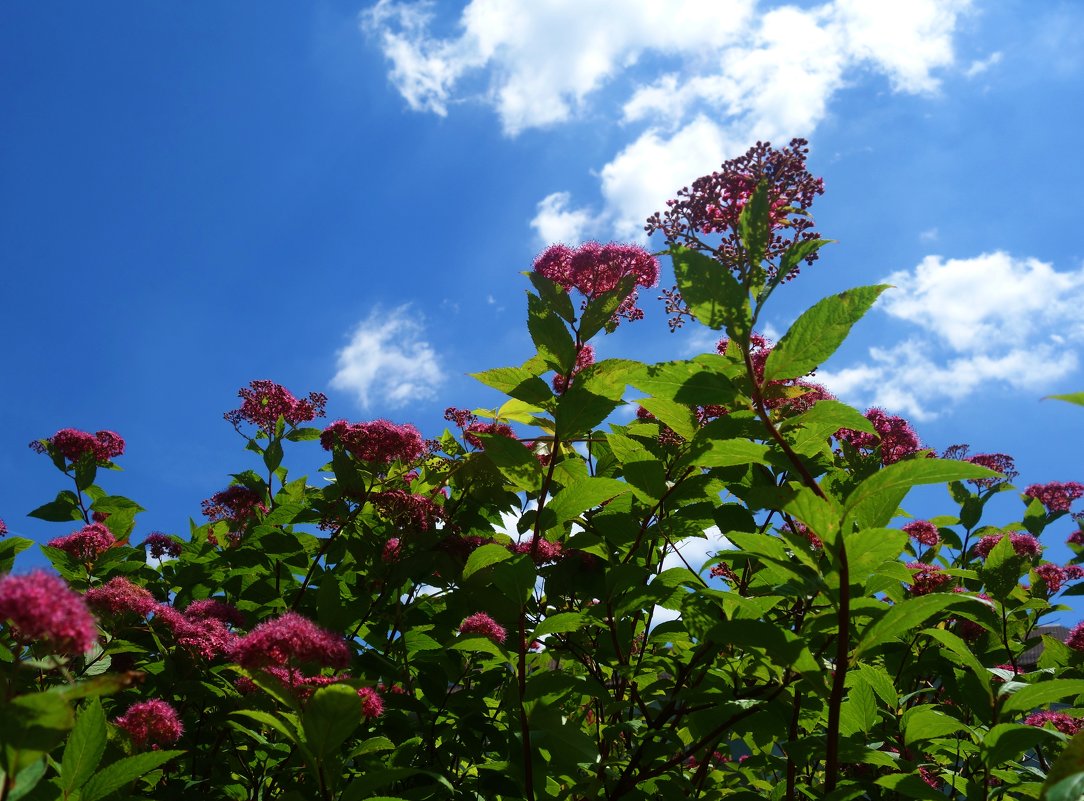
column 1064, row 723
column 154, row 723
column 1023, row 544
column 237, row 505
column 379, row 441
column 74, row 445
column 714, row 203
column 216, row 609
column 778, row 395
column 204, row 635
column 86, row 544
column 923, row 531
column 43, row 609
column 406, row 510
column 585, row 357
column 1057, row 496
column 1052, row 575
column 481, row 623
column 540, row 550
column 471, row 432
column 372, row 706
column 159, row 545
column 894, row 434
column 264, row 402
column 927, row 578
column 290, row 640
column 1001, row 462
column 3, row 528
column 594, row 269
column 1075, row 640
column 119, row 596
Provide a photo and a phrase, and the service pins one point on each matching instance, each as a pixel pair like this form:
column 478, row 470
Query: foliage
column 381, row 633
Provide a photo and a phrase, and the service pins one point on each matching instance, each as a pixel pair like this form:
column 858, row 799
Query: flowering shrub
column 389, row 634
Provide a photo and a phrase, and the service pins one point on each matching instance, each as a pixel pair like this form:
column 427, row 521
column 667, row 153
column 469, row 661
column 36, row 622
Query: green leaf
column 84, row 748
column 26, row 780
column 515, row 461
column 905, row 616
column 755, row 225
column 819, row 332
column 909, row 785
column 1065, row 781
column 484, row 557
column 797, row 253
column 874, row 502
column 583, row 495
column 600, row 310
column 269, row 720
column 303, row 434
column 555, row 296
column 1001, row 570
column 519, row 383
column 678, row 416
column 711, row 452
column 64, row 508
column 1032, row 696
column 562, row 623
column 1073, row 397
column 926, row 723
column 712, row 293
column 330, row 716
column 550, row 336
column 1007, row 741
column 859, row 712
column 690, row 383
column 112, row 777
column 579, row 410
column 962, row 654
column 9, row 549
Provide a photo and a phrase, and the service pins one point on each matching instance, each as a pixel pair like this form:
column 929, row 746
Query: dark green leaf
column 712, row 293
column 796, row 254
column 1065, row 781
column 517, row 382
column 874, row 502
column 550, row 336
column 555, row 296
column 1033, row 696
column 755, row 225
column 600, row 310
column 907, row 615
column 330, row 716
column 84, row 748
column 819, row 332
column 484, row 557
column 64, row 508
column 124, row 771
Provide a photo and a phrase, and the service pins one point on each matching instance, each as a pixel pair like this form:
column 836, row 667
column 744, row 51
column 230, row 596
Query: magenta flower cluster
column 594, row 269
column 159, row 545
column 481, row 623
column 407, row 510
column 1064, row 723
column 895, row 436
column 237, row 505
column 42, row 609
column 1023, row 544
column 923, row 531
column 290, row 640
column 74, row 445
column 379, row 441
column 119, row 596
column 927, row 578
column 154, row 723
column 264, row 402
column 1057, row 496
column 86, row 544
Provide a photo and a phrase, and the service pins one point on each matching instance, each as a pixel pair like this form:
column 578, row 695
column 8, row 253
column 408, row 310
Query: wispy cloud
column 388, row 361
column 988, row 320
column 692, row 82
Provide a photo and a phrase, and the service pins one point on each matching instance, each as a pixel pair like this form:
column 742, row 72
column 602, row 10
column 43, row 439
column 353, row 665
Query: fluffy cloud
column 692, row 82
column 388, row 361
column 989, row 319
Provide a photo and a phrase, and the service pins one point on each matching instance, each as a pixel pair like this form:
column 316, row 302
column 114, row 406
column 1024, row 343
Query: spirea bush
column 379, row 631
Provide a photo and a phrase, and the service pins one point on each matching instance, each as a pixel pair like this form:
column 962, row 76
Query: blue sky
column 341, row 197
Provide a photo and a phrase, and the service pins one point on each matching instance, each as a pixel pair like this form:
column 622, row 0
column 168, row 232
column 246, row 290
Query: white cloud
column 929, row 235
column 555, row 222
column 388, row 361
column 982, row 65
column 693, row 82
column 991, row 319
